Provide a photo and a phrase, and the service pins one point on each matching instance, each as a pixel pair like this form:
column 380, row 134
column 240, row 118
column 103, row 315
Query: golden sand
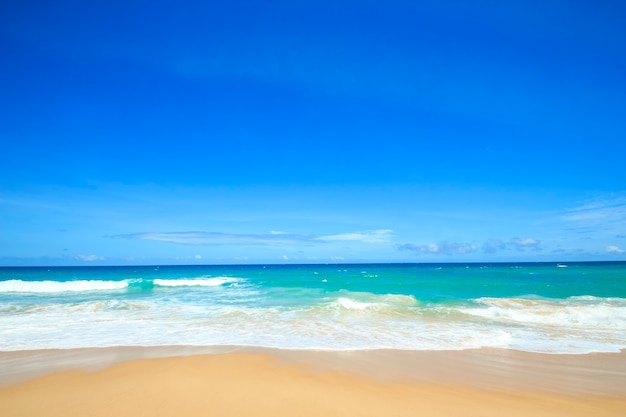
column 261, row 384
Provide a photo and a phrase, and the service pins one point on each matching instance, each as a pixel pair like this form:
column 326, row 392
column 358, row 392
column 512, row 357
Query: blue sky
column 143, row 132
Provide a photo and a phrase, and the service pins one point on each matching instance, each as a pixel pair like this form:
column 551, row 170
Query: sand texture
column 267, row 384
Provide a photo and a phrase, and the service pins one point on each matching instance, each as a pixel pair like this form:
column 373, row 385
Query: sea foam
column 19, row 286
column 572, row 312
column 401, row 307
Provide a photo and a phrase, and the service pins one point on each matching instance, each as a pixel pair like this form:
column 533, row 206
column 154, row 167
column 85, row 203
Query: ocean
column 536, row 307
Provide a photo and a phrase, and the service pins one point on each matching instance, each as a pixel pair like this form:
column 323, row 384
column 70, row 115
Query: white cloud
column 273, row 237
column 374, row 236
column 430, row 248
column 89, row 258
column 443, row 248
column 525, row 242
column 520, row 243
column 493, row 245
column 460, row 248
column 616, row 249
column 198, row 256
column 216, row 238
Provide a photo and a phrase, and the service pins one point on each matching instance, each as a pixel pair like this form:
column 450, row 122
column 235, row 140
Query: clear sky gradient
column 143, row 132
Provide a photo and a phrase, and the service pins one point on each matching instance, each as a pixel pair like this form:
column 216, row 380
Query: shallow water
column 578, row 308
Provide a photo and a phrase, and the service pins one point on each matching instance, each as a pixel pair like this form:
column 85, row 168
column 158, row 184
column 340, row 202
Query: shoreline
column 591, row 374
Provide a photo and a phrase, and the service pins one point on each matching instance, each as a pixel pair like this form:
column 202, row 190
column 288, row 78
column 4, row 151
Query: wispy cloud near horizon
column 218, row 238
column 519, row 243
column 89, row 258
column 462, row 248
column 273, row 237
column 374, row 236
column 441, row 248
column 615, row 249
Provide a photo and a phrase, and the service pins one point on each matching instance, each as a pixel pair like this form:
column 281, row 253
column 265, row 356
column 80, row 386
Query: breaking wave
column 19, row 286
column 581, row 311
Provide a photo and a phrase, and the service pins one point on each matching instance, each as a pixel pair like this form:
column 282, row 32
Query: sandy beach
column 262, row 382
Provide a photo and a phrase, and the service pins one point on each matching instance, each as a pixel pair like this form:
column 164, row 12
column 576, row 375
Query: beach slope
column 260, row 384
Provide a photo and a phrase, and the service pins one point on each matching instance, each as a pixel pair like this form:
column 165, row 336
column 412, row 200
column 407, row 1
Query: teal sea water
column 548, row 307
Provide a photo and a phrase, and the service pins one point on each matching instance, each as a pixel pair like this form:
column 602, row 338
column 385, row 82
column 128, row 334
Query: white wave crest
column 350, row 304
column 19, row 286
column 196, row 282
column 584, row 311
column 374, row 302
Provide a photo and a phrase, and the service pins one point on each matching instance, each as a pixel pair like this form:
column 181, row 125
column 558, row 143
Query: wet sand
column 239, row 381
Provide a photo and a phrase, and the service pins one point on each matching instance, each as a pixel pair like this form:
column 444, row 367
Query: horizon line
column 564, row 263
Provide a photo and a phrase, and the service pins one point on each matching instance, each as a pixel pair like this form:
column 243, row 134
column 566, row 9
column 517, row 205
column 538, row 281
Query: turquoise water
column 573, row 308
